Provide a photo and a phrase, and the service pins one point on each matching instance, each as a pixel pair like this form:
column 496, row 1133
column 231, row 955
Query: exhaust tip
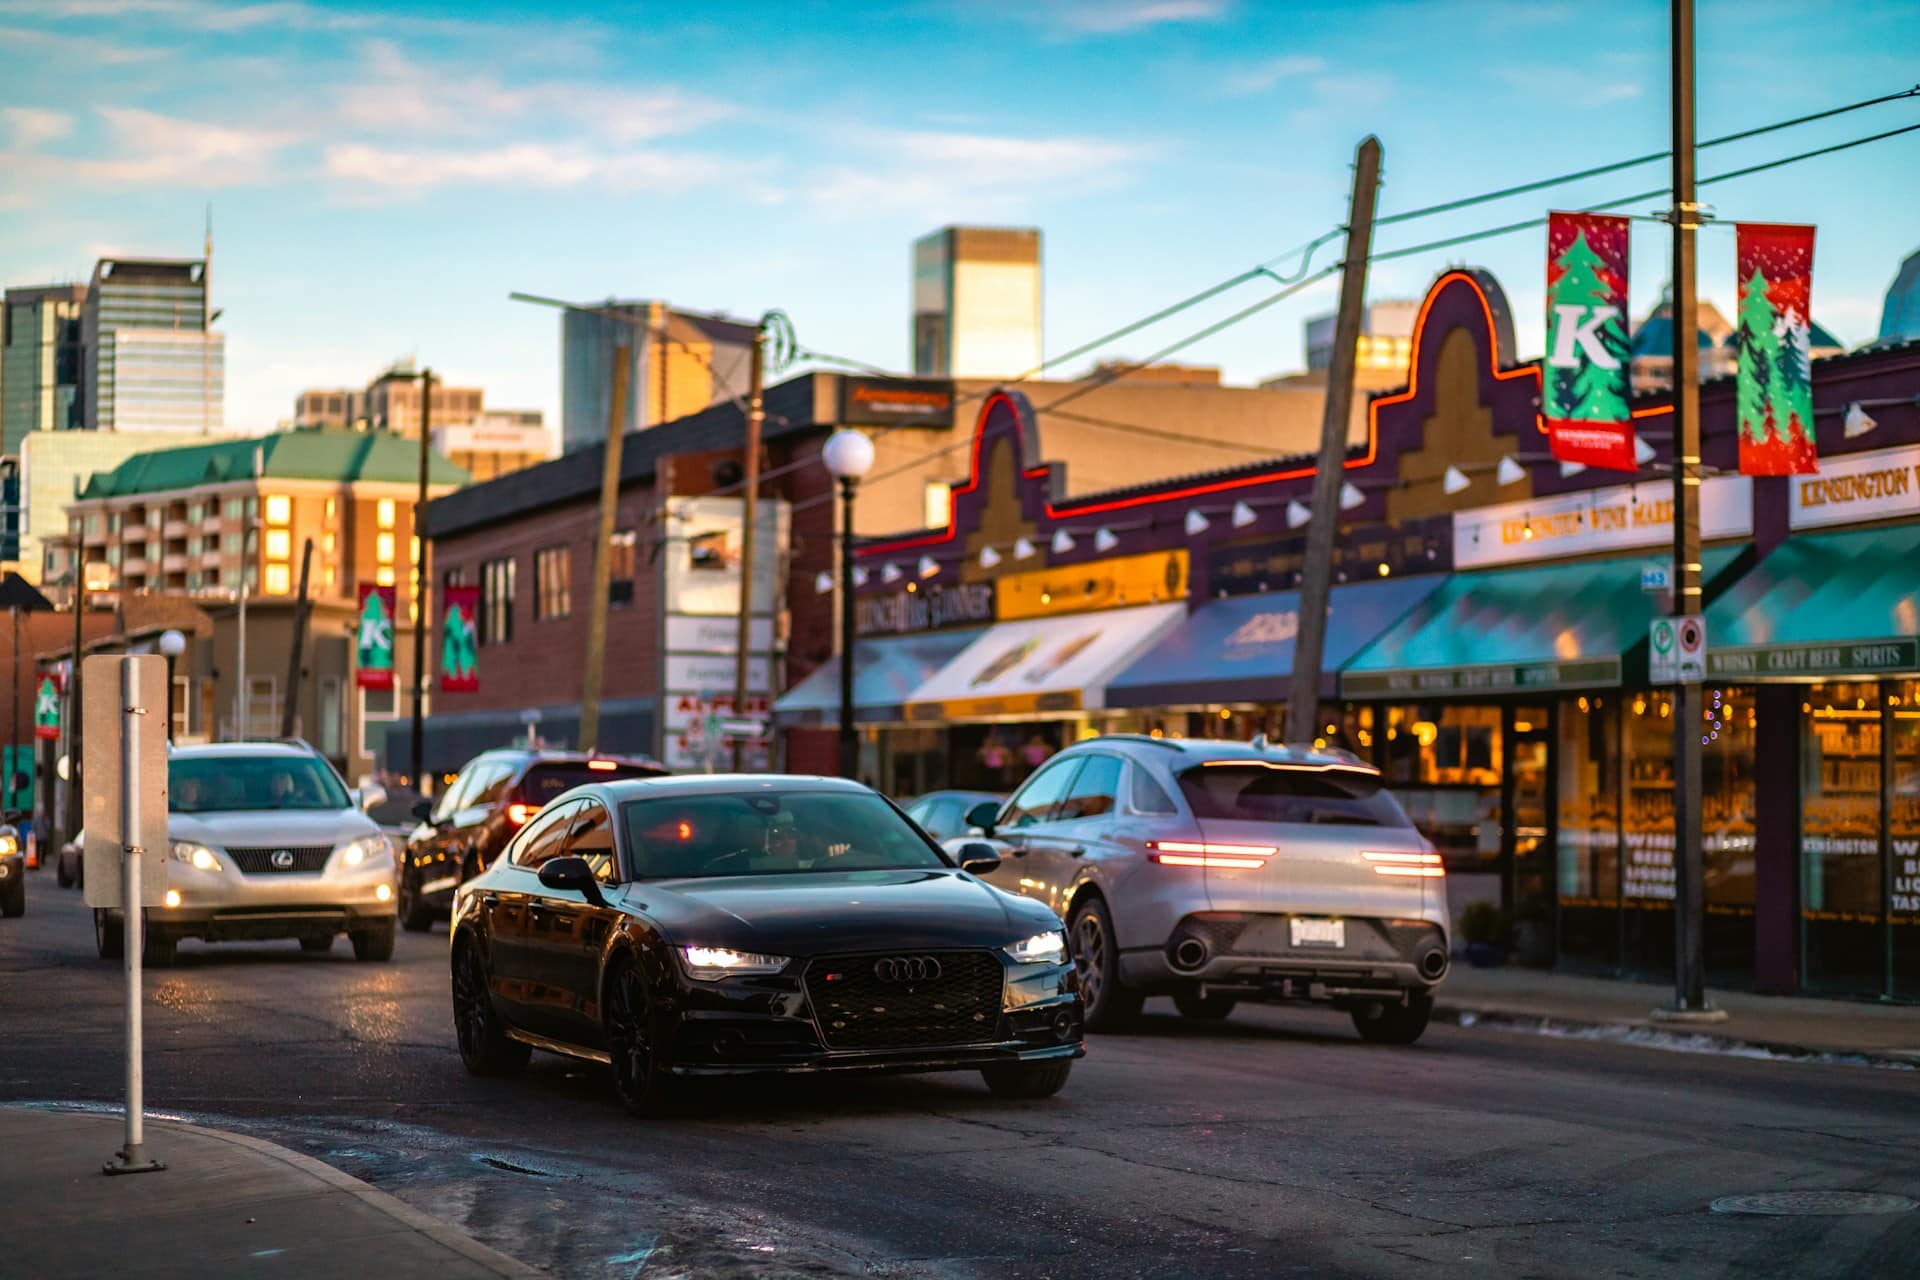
column 1433, row 962
column 1189, row 953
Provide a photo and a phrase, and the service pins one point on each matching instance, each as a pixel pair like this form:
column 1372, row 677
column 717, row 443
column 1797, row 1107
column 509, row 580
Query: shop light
column 1639, row 706
column 989, row 557
column 890, row 572
column 822, row 583
column 1243, row 515
column 1583, row 704
column 1023, row 548
column 1226, row 713
column 859, row 575
column 1350, row 495
column 1384, row 570
column 1104, row 539
column 1455, row 481
column 1062, row 542
column 1297, row 513
column 1523, row 726
column 1666, row 709
column 1509, row 471
column 1197, row 523
column 912, row 587
column 1642, row 451
column 1568, row 470
column 928, row 566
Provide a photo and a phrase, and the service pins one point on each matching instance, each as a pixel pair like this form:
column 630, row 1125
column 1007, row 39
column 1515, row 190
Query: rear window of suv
column 1259, row 793
column 545, row 781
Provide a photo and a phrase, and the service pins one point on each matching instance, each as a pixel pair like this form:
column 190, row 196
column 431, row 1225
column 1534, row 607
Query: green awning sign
column 1875, row 657
column 1519, row 677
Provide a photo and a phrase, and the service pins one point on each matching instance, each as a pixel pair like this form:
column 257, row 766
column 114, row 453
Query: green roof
column 313, row 453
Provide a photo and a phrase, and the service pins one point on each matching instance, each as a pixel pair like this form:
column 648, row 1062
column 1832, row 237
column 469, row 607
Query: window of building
column 383, row 513
column 279, row 508
column 496, row 601
column 383, row 548
column 454, row 577
column 1903, row 835
column 383, row 576
column 620, row 565
column 327, row 542
column 196, row 512
column 279, row 579
column 182, row 708
column 937, row 505
column 263, row 707
column 378, row 707
column 279, row 544
column 333, row 508
column 1443, row 762
column 328, row 736
column 236, row 508
column 1840, row 873
column 552, row 582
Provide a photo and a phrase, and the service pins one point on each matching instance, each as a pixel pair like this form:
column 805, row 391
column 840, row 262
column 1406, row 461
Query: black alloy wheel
column 1028, row 1079
column 1207, row 1008
column 108, row 939
column 640, row 1075
column 485, row 1049
column 1097, row 961
column 414, row 917
column 373, row 942
column 158, row 948
column 1393, row 1023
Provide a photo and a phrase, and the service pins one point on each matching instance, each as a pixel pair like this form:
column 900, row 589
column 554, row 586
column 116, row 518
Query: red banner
column 373, row 638
column 1584, row 386
column 459, row 639
column 1773, row 386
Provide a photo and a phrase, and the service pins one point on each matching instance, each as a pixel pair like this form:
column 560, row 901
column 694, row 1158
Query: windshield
column 1257, row 793
column 546, row 781
column 769, row 833
column 225, row 784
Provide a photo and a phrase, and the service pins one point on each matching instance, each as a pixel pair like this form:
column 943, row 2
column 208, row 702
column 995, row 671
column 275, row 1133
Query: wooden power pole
column 289, row 713
column 602, row 551
column 749, row 525
column 1303, row 701
column 419, row 594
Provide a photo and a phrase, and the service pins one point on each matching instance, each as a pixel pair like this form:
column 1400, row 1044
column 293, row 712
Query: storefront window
column 1646, row 855
column 1840, row 890
column 1443, row 764
column 1589, row 827
column 1729, row 723
column 1904, row 831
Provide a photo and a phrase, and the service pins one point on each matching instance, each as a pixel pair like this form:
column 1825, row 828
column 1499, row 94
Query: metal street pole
column 749, row 523
column 603, row 552
column 1689, row 967
column 849, row 738
column 418, row 592
column 132, row 1157
column 1303, row 696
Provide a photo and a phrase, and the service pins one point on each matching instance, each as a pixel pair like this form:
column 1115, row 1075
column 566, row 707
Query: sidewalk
column 225, row 1205
column 1790, row 1026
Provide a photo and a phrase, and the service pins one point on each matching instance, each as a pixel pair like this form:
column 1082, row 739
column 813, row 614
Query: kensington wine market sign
column 1616, row 518
column 1857, row 487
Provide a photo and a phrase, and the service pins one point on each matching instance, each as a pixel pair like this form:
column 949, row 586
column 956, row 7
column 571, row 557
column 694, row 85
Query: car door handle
column 1076, row 850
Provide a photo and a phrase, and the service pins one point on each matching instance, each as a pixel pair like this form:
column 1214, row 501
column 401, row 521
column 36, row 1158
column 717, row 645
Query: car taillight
column 602, row 766
column 1188, row 853
column 518, row 813
column 1425, row 866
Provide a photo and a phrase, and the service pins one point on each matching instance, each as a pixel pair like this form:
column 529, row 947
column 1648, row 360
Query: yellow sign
column 1157, row 577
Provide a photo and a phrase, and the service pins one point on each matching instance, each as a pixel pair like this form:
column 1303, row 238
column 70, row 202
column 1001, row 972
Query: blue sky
column 382, row 176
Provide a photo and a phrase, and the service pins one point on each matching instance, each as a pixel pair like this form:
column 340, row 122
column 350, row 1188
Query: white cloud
column 1569, row 89
column 84, row 48
column 392, row 171
column 31, row 126
column 940, row 173
column 1265, row 75
column 1111, row 17
column 201, row 15
column 154, row 149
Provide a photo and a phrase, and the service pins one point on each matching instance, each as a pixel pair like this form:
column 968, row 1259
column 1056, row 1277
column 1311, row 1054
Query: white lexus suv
column 267, row 842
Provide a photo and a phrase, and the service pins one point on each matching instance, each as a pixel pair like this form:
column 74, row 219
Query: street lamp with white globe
column 173, row 644
column 848, row 455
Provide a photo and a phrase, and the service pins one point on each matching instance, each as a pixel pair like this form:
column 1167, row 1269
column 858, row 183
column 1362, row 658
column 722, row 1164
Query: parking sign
column 1677, row 650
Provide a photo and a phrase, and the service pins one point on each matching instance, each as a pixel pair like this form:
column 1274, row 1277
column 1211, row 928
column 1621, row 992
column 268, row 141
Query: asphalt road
column 1273, row 1145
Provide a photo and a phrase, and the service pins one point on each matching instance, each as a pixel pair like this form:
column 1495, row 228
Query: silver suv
column 1215, row 872
column 267, row 842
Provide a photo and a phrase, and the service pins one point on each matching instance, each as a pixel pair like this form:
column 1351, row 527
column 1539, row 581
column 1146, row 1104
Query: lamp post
column 173, row 644
column 848, row 455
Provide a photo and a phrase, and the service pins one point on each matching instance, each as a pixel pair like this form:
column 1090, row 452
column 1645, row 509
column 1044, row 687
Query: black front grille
column 262, row 862
column 856, row 1010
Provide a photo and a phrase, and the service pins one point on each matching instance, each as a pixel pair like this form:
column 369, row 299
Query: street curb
column 1675, row 1036
column 405, row 1214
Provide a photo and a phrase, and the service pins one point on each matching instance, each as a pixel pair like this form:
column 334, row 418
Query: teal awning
column 1822, row 604
column 1541, row 627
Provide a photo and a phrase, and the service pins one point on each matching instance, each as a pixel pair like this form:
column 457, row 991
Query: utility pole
column 1689, row 878
column 417, row 547
column 288, row 712
column 602, row 553
column 73, row 691
column 1303, row 699
column 749, row 523
column 249, row 522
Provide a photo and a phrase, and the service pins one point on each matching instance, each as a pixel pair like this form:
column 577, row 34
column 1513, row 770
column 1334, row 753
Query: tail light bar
column 1192, row 853
column 1425, row 866
column 518, row 813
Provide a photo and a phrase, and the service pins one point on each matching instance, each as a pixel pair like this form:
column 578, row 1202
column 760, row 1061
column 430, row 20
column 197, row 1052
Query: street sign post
column 125, row 741
column 1677, row 650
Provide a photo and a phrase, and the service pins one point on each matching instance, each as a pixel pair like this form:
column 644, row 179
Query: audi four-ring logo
column 906, row 969
column 282, row 858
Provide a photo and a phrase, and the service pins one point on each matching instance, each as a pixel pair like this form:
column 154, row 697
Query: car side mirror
column 423, row 810
column 982, row 816
column 977, row 857
column 573, row 875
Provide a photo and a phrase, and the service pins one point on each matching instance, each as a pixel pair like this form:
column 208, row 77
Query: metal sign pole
column 132, row 1157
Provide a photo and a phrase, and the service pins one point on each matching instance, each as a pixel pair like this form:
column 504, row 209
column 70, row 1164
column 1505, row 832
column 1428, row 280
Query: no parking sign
column 1677, row 650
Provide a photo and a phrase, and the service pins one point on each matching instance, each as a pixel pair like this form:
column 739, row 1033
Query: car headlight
column 1041, row 948
column 9, row 844
column 197, row 856
column 710, row 964
column 365, row 849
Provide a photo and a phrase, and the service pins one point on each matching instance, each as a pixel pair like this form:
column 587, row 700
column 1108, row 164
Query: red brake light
column 602, row 766
column 518, row 814
column 1186, row 853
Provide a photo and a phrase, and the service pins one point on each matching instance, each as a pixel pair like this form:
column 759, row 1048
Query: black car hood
column 820, row 913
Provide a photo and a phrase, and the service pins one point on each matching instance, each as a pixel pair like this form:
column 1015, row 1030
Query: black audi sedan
column 730, row 925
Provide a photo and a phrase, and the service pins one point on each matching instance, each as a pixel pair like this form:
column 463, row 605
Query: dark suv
column 462, row 832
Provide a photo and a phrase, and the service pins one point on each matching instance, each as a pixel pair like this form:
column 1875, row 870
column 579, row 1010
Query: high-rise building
column 482, row 442
column 40, row 361
column 976, row 302
column 151, row 362
column 1900, row 318
column 1386, row 337
column 679, row 362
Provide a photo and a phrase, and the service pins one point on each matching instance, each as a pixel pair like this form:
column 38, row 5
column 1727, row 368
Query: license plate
column 1319, row 933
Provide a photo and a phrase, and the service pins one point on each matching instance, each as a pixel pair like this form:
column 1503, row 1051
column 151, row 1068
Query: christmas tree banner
column 46, row 709
column 1774, row 384
column 1584, row 386
column 459, row 650
column 373, row 638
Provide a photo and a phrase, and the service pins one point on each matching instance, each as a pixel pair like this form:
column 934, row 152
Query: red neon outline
column 1069, row 510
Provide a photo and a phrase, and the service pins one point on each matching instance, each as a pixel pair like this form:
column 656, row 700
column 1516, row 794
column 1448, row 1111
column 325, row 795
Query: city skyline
column 435, row 163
